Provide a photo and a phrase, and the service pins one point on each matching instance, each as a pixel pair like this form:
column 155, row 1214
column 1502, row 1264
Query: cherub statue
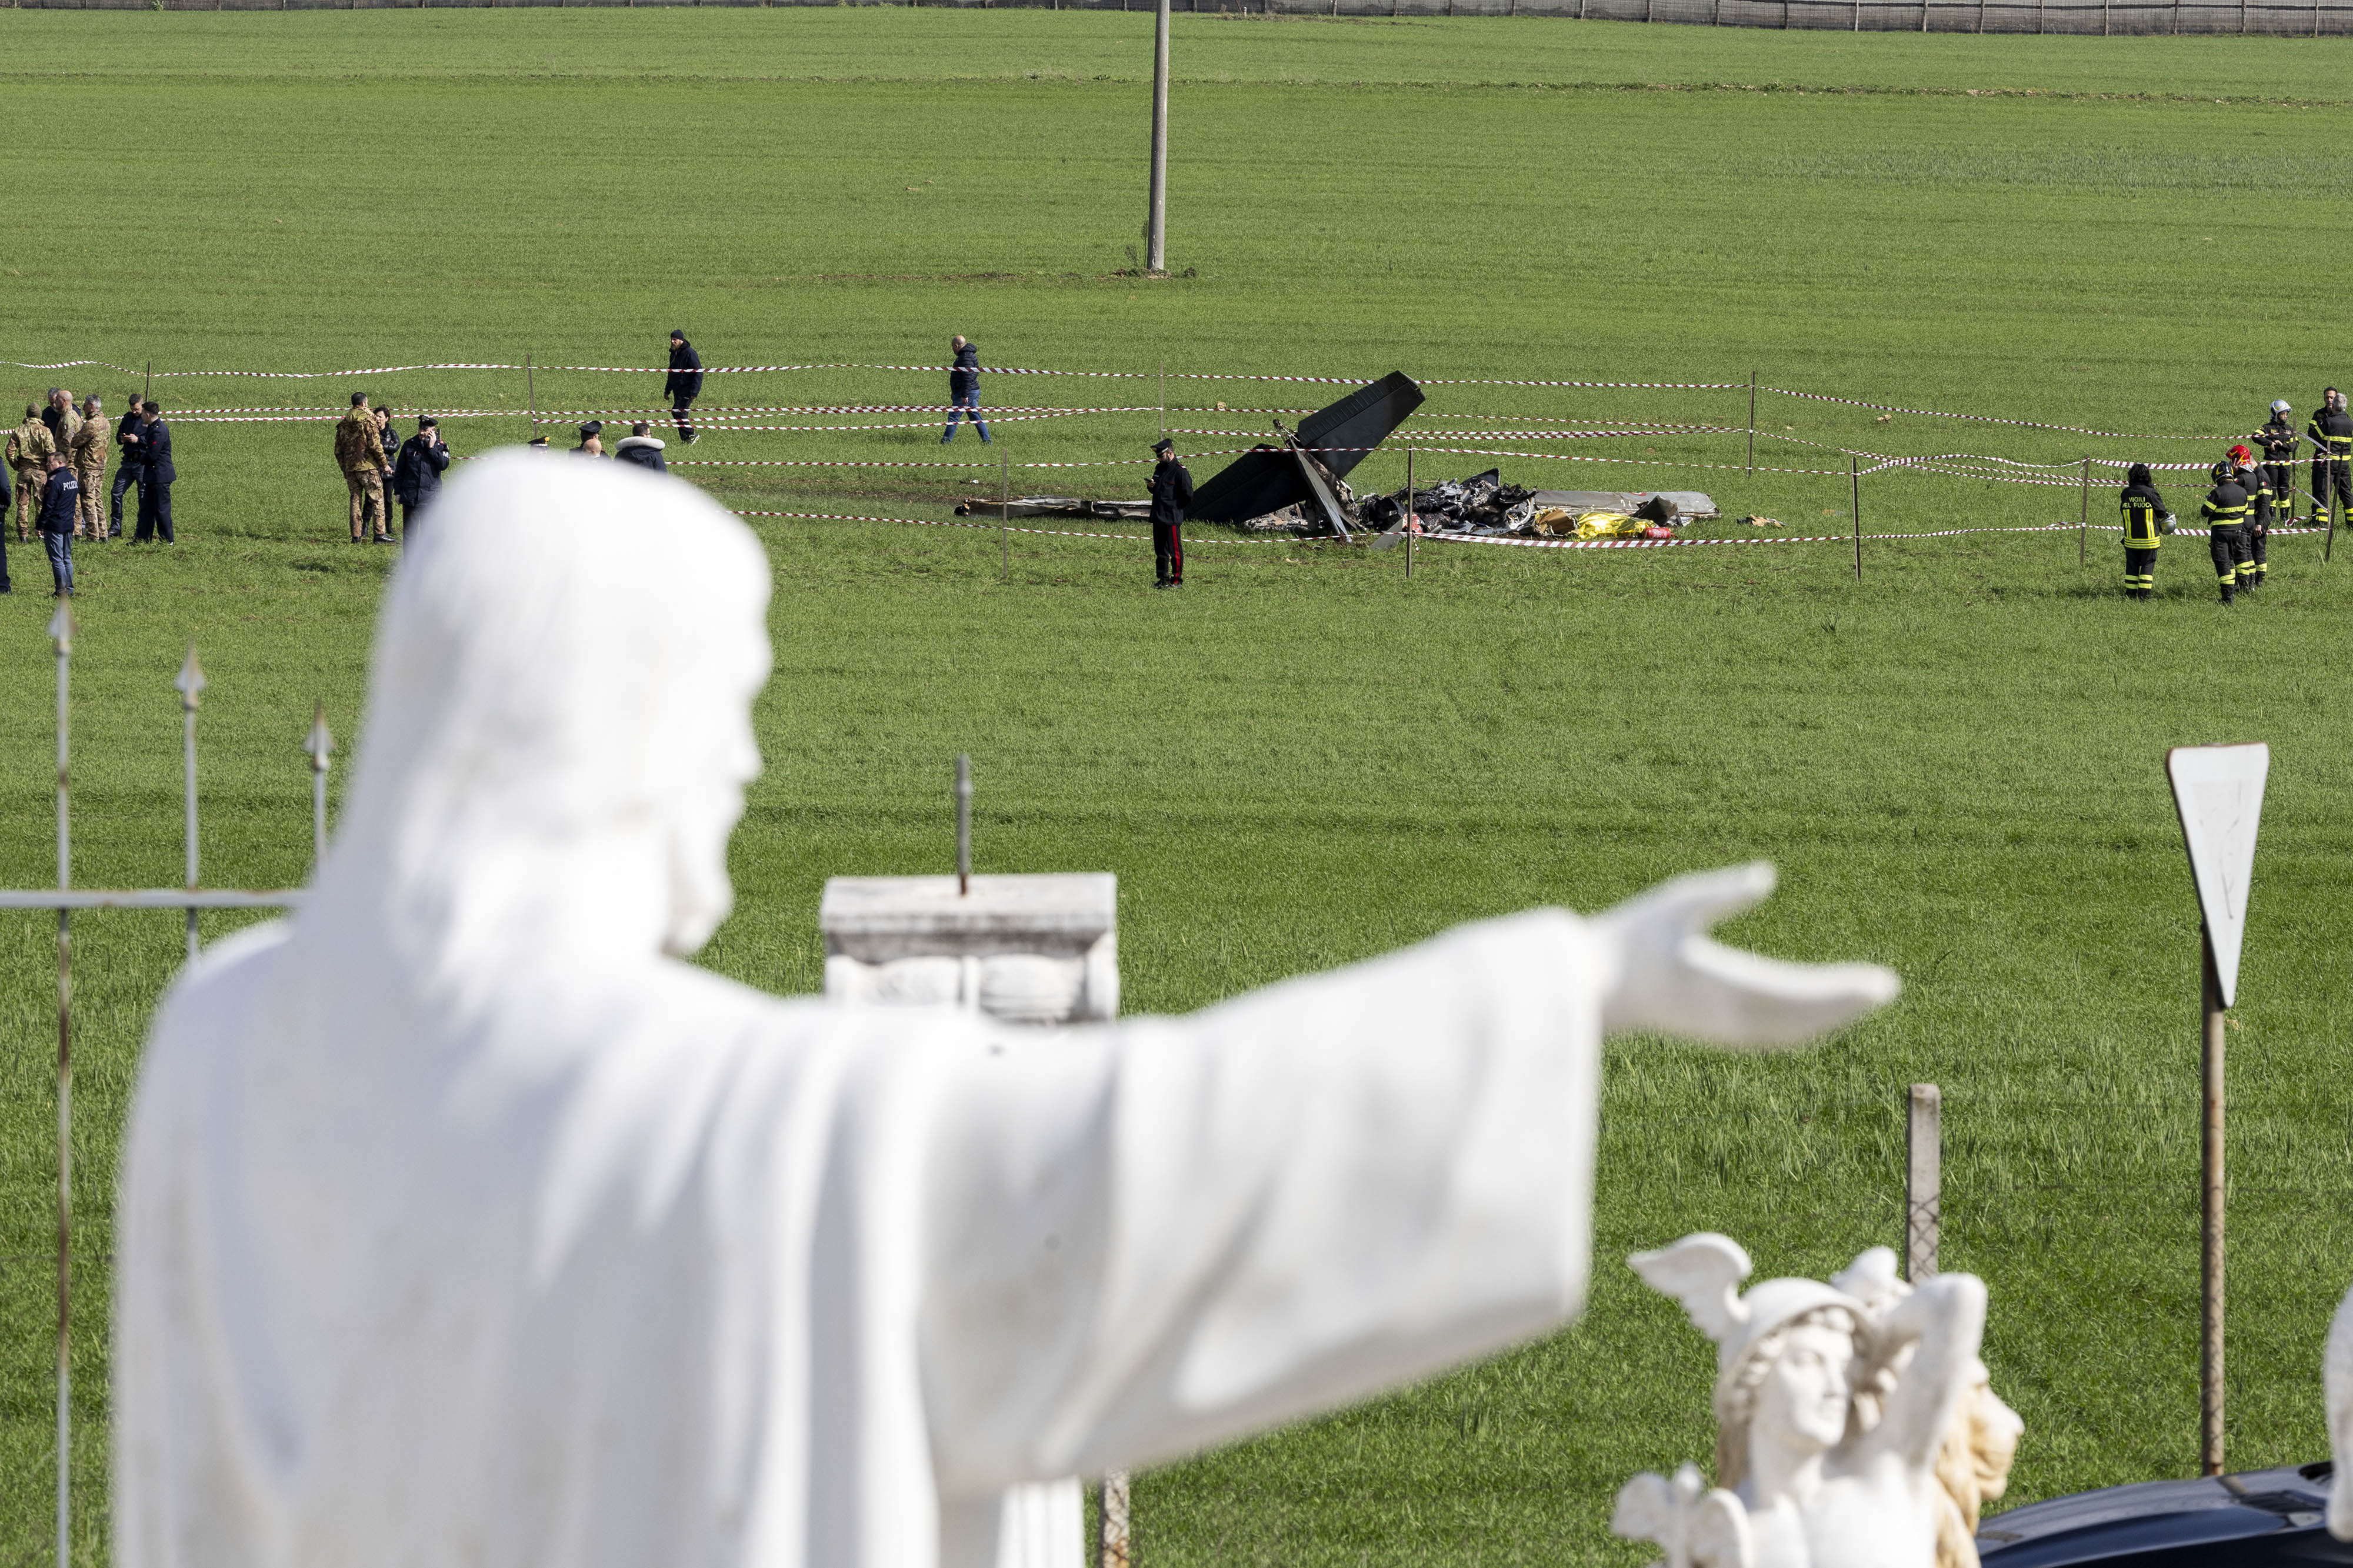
column 1834, row 1403
column 461, row 1222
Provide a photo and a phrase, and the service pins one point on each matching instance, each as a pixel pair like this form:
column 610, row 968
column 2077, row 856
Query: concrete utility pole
column 1155, row 232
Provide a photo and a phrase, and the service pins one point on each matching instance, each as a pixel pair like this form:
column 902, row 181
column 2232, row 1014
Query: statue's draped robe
column 611, row 1263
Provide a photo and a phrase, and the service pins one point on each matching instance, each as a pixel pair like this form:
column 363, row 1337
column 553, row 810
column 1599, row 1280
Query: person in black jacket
column 155, row 476
column 683, row 385
column 1172, row 493
column 2276, row 440
column 2331, row 435
column 2225, row 512
column 963, row 390
column 129, row 464
column 60, row 500
column 416, row 474
column 2255, row 560
column 644, row 450
column 2144, row 517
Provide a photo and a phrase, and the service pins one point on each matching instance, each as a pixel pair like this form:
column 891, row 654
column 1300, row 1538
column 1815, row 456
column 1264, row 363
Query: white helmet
column 2279, row 405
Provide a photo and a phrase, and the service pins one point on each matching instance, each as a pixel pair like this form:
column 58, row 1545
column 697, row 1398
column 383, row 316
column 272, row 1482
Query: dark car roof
column 2260, row 1517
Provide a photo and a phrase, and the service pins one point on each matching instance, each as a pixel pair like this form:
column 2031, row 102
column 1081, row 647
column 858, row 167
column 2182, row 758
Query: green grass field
column 1304, row 758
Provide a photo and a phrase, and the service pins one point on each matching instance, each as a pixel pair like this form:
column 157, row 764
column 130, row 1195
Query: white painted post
column 1924, row 1182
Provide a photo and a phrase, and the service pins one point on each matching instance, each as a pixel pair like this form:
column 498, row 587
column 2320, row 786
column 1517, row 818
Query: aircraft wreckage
column 1298, row 484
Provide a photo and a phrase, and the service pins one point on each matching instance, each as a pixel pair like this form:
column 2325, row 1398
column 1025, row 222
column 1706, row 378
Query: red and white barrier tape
column 1981, row 418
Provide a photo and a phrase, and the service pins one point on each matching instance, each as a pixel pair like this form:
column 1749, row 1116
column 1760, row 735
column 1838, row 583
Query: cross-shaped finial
column 320, row 744
column 61, row 628
column 190, row 681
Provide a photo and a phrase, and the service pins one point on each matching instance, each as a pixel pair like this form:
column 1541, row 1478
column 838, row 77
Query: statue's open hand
column 1672, row 977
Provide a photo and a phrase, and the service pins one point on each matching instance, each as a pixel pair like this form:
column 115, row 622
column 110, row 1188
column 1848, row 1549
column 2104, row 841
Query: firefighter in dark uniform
column 2277, row 442
column 2225, row 512
column 1172, row 493
column 2331, row 435
column 2145, row 518
column 2255, row 560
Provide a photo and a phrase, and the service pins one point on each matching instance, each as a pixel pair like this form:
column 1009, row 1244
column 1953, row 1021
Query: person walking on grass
column 1172, row 493
column 359, row 452
column 87, row 456
column 964, row 389
column 31, row 446
column 128, row 465
column 60, row 504
column 683, row 385
column 2145, row 518
column 2225, row 513
column 417, row 475
column 644, row 450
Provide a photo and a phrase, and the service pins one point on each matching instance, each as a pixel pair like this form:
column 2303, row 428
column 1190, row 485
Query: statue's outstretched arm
column 1151, row 1237
column 1946, row 1318
column 1673, row 978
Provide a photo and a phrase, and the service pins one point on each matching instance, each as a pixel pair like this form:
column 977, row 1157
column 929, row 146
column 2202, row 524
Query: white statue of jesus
column 462, row 1224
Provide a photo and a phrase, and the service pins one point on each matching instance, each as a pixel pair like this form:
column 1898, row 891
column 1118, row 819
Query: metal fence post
column 61, row 630
column 1923, row 1214
column 189, row 683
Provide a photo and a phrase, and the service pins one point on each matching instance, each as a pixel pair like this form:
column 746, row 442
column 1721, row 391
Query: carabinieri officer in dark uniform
column 2144, row 517
column 1172, row 493
column 2225, row 512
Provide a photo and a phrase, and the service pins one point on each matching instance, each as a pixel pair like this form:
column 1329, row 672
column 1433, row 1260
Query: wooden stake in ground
column 1005, row 514
column 1751, row 424
column 1854, row 476
column 2219, row 793
column 1924, row 1204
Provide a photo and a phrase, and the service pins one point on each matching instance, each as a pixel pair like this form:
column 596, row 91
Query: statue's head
column 1790, row 1384
column 562, row 690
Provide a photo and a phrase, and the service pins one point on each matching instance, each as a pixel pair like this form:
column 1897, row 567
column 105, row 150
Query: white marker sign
column 2219, row 790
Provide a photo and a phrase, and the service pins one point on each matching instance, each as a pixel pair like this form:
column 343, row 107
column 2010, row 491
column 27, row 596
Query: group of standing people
column 56, row 472
column 379, row 468
column 2249, row 499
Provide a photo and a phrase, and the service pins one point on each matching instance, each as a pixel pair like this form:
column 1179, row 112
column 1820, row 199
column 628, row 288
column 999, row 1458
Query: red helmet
column 2241, row 456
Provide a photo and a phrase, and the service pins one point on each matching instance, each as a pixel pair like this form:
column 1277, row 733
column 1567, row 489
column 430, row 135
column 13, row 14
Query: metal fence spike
column 322, row 742
column 190, row 681
column 61, row 628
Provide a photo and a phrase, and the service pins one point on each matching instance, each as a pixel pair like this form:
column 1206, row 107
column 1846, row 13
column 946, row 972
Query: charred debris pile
column 1299, row 485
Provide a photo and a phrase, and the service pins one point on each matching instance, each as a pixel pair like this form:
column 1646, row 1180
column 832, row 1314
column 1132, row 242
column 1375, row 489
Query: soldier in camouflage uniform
column 63, row 417
column 87, row 455
column 359, row 452
column 29, row 449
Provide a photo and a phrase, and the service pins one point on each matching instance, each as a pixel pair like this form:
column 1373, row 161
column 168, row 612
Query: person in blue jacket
column 963, row 390
column 155, row 475
column 416, row 473
column 61, row 503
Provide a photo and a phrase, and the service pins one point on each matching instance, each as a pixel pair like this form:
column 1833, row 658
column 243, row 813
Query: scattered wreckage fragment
column 1306, row 471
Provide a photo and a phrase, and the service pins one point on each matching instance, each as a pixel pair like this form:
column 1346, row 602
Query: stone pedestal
column 1039, row 949
column 1027, row 949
